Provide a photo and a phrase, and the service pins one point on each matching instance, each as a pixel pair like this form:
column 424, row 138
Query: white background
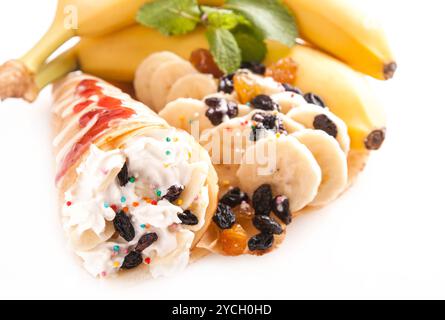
column 384, row 239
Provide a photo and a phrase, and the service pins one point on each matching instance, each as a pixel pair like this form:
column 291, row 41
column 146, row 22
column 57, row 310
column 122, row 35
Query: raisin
column 245, row 87
column 261, row 241
column 173, row 193
column 322, row 122
column 219, row 108
column 293, row 89
column 262, row 200
column 203, row 61
column 283, row 71
column 234, row 197
column 234, row 240
column 226, row 84
column 255, row 67
column 269, row 121
column 224, row 216
column 280, row 207
column 375, row 139
column 264, row 102
column 188, row 218
column 258, row 132
column 123, row 176
column 267, row 225
column 132, row 260
column 122, row 224
column 145, row 241
column 314, row 99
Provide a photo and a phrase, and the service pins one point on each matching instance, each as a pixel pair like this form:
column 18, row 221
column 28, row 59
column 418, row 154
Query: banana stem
column 57, row 68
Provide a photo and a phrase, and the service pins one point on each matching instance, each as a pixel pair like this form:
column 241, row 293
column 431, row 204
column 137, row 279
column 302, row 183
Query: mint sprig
column 236, row 32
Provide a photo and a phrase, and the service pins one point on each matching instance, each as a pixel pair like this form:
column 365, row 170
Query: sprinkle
column 114, row 207
column 226, row 182
column 106, row 205
column 248, row 104
column 132, row 179
column 190, row 154
column 104, row 172
column 147, row 260
column 179, row 202
column 168, row 139
column 166, row 165
column 148, row 200
column 135, row 204
column 196, row 198
column 123, row 199
column 142, row 226
column 116, row 264
column 173, row 227
column 158, row 193
column 154, row 202
column 116, row 248
column 278, row 135
column 103, row 274
column 168, row 152
column 69, row 203
column 125, row 209
column 175, row 139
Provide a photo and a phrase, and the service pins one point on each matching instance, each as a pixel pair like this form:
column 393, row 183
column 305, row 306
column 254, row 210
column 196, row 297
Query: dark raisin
column 123, row 176
column 267, row 225
column 145, row 241
column 188, row 218
column 293, row 89
column 280, row 207
column 122, row 224
column 234, row 197
column 224, row 216
column 375, row 139
column 314, row 99
column 261, row 241
column 264, row 102
column 226, row 84
column 255, row 67
column 132, row 260
column 322, row 122
column 269, row 121
column 173, row 193
column 262, row 200
column 219, row 108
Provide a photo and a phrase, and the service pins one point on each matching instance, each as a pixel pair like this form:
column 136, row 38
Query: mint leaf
column 252, row 47
column 224, row 49
column 170, row 17
column 223, row 18
column 271, row 17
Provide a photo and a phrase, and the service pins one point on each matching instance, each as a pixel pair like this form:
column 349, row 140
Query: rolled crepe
column 135, row 193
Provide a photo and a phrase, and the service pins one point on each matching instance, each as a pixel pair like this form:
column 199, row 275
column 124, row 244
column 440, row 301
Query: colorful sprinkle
column 116, row 248
column 114, row 207
column 248, row 104
column 168, row 152
column 135, row 204
column 69, row 203
column 154, row 202
column 132, row 179
column 158, row 193
column 278, row 135
column 125, row 209
column 116, row 264
column 148, row 200
column 123, row 199
column 142, row 226
column 103, row 274
column 179, row 202
column 168, row 139
column 147, row 260
column 166, row 165
column 106, row 205
column 175, row 139
column 226, row 182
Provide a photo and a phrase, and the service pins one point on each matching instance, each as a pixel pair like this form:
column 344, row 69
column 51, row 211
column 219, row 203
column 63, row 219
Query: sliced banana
column 163, row 79
column 196, row 86
column 284, row 163
column 288, row 100
column 332, row 161
column 144, row 74
column 308, row 115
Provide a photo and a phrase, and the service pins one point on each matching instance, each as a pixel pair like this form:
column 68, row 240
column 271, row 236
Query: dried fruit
column 226, row 84
column 123, row 176
column 283, row 71
column 261, row 241
column 145, row 241
column 234, row 197
column 293, row 89
column 220, row 108
column 203, row 61
column 224, row 216
column 262, row 200
column 173, row 193
column 264, row 102
column 322, row 122
column 188, row 218
column 375, row 139
column 245, row 88
column 234, row 240
column 280, row 207
column 255, row 67
column 132, row 260
column 267, row 224
column 314, row 99
column 269, row 122
column 122, row 224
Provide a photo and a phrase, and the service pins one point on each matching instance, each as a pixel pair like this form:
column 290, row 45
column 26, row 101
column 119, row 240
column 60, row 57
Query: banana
column 195, row 86
column 144, row 74
column 288, row 100
column 290, row 169
column 332, row 161
column 346, row 31
column 315, row 117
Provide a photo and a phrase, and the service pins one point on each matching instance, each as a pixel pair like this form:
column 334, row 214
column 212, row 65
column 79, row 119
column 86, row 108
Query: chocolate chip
column 145, row 241
column 262, row 241
column 132, row 260
column 122, row 224
column 123, row 176
column 224, row 216
column 173, row 193
column 219, row 108
column 280, row 206
column 264, row 102
column 267, row 224
column 188, row 218
column 322, row 122
column 293, row 89
column 262, row 200
column 234, row 197
column 255, row 67
column 314, row 99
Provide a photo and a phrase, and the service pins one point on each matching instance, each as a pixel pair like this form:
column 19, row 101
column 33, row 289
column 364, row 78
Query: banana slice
column 284, row 163
column 163, row 79
column 196, row 86
column 316, row 117
column 144, row 73
column 288, row 100
column 332, row 161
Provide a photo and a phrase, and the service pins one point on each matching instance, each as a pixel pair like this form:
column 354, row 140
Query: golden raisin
column 234, row 240
column 283, row 71
column 245, row 88
column 203, row 61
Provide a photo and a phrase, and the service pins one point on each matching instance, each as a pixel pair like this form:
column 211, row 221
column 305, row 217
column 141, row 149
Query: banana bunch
column 112, row 46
